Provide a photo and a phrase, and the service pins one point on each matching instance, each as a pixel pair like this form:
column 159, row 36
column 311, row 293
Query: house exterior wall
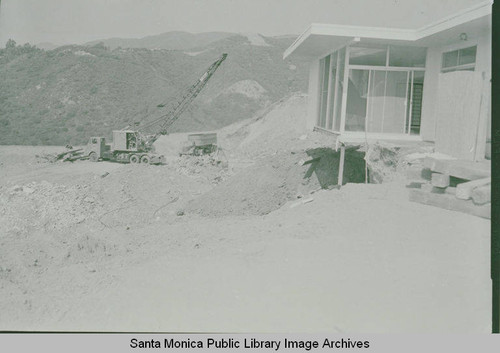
column 431, row 83
column 430, row 92
column 432, row 75
column 483, row 64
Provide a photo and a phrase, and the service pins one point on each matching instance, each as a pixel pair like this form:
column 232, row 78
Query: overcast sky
column 79, row 21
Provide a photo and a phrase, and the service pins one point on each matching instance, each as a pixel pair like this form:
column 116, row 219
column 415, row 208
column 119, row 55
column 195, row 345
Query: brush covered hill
column 70, row 93
column 175, row 40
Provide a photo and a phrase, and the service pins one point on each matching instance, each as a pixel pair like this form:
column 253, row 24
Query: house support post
column 341, row 165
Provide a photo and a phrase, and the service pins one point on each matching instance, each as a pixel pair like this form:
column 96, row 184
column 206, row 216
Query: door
column 387, row 101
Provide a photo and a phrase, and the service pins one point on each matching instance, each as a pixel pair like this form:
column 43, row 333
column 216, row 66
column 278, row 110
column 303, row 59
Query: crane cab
column 96, row 145
column 125, row 140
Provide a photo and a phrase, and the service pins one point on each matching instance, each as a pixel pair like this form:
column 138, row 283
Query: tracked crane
column 131, row 146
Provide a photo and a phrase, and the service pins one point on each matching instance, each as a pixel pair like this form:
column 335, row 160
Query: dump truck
column 199, row 144
column 125, row 148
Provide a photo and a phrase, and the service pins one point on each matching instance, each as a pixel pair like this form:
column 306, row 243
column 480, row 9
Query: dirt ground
column 251, row 240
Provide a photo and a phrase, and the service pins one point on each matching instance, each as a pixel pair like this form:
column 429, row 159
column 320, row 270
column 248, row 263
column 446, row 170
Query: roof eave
column 399, row 34
column 300, row 39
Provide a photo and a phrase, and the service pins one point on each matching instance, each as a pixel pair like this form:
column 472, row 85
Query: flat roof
column 320, row 38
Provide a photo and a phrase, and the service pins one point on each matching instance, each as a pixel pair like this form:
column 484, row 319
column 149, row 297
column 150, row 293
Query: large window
column 380, row 101
column 382, row 94
column 331, row 78
column 459, row 60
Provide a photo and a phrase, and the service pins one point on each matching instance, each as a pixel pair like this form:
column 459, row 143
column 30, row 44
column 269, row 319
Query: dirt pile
column 279, row 127
column 258, row 189
column 128, row 196
column 272, row 181
column 137, row 195
column 289, row 162
column 212, row 167
column 47, row 206
column 388, row 162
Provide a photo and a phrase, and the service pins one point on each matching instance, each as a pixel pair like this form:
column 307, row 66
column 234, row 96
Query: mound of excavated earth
column 256, row 238
column 272, row 181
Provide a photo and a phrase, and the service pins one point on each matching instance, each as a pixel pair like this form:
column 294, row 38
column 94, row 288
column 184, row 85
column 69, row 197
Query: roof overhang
column 320, row 39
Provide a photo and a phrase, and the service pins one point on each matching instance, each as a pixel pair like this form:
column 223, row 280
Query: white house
column 424, row 83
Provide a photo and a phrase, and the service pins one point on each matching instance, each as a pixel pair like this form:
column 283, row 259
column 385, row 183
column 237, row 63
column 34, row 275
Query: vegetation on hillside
column 73, row 92
column 174, row 40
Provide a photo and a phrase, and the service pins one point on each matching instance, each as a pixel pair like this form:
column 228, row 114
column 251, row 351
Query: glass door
column 357, row 95
column 387, row 101
column 376, row 101
column 395, row 103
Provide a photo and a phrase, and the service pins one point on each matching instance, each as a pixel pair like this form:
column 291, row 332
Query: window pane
column 367, row 56
column 467, row 56
column 376, row 101
column 333, row 58
column 340, row 87
column 325, row 70
column 407, row 56
column 416, row 106
column 450, row 59
column 387, row 101
column 357, row 92
column 394, row 117
column 331, row 90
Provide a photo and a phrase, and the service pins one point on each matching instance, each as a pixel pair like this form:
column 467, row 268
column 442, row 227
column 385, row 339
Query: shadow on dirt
column 325, row 164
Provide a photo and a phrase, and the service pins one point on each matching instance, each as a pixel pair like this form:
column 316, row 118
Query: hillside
column 175, row 40
column 65, row 95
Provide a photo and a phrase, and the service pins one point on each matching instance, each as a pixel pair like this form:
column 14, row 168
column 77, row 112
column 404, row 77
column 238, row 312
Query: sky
column 80, row 21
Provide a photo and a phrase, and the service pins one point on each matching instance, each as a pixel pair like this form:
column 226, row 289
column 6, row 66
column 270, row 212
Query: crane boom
column 169, row 118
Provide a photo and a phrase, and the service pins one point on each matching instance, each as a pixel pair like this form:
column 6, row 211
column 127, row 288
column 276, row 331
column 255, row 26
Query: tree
column 11, row 43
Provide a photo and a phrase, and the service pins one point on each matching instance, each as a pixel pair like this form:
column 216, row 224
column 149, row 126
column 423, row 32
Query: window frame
column 334, row 83
column 458, row 67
